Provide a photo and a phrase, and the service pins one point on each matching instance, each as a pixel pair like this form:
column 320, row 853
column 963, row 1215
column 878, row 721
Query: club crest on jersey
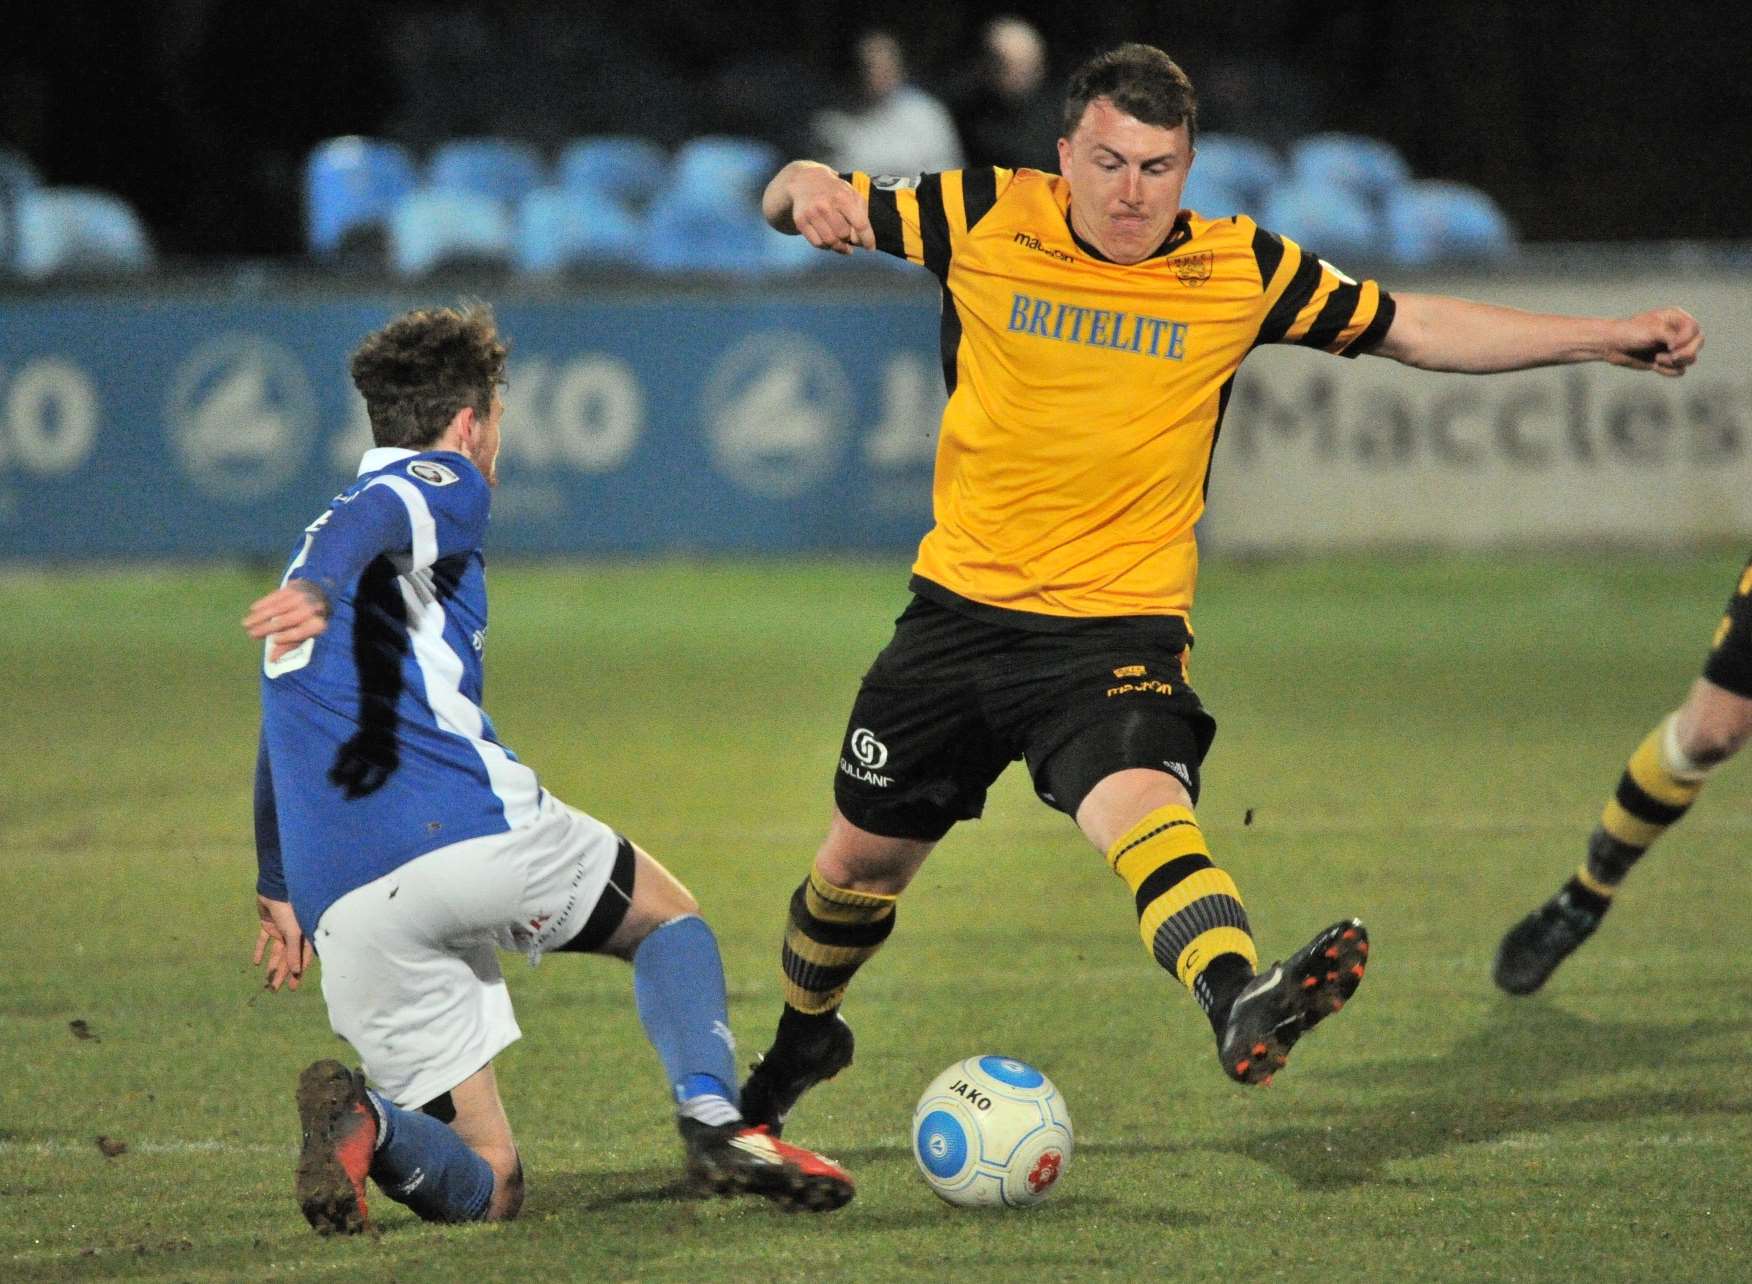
column 433, row 474
column 1193, row 269
column 894, row 182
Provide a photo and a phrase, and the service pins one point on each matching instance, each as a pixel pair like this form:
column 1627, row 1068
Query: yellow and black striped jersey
column 1085, row 396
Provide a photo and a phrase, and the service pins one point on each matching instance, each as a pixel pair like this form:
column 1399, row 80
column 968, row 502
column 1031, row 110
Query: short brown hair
column 424, row 366
column 1141, row 81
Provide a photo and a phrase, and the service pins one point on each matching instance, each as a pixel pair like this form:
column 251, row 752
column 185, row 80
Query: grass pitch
column 1421, row 742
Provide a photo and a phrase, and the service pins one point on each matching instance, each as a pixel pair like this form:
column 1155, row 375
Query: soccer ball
column 992, row 1131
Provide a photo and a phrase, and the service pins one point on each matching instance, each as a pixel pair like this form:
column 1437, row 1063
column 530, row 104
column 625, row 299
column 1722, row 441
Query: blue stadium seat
column 1213, row 198
column 559, row 230
column 1369, row 167
column 705, row 169
column 685, row 237
column 76, row 231
column 351, row 186
column 623, row 168
column 501, row 168
column 1243, row 168
column 708, row 217
column 17, row 176
column 792, row 254
column 435, row 230
column 1332, row 222
column 1433, row 220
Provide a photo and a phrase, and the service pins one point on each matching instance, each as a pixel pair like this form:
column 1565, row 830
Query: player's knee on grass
column 507, row 1165
column 507, row 1199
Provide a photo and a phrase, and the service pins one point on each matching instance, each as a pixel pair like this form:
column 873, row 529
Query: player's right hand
column 291, row 614
column 828, row 212
column 1665, row 340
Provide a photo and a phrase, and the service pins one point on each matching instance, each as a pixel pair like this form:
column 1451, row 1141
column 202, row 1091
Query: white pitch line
column 208, row 1146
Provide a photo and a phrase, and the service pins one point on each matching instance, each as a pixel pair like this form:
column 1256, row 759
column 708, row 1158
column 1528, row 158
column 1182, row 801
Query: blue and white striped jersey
column 374, row 747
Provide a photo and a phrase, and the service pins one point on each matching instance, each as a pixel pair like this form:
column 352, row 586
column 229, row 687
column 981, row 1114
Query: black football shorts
column 953, row 699
column 1730, row 657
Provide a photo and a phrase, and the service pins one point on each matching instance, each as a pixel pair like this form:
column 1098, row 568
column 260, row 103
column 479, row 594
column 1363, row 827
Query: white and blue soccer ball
column 992, row 1131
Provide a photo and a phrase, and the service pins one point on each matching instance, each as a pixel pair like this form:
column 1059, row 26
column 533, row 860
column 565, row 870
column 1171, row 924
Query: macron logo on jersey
column 1098, row 327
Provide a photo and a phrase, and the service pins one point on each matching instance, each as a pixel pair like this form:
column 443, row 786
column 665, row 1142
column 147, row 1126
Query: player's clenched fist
column 1665, row 340
column 808, row 199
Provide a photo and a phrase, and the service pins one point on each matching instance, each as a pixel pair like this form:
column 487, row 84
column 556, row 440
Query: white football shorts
column 410, row 964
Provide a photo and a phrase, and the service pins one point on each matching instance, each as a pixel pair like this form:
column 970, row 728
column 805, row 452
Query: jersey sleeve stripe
column 425, row 530
column 885, row 223
column 933, row 225
column 954, row 210
column 1268, row 252
column 1290, row 303
column 1377, row 328
column 1335, row 316
column 979, row 192
column 906, row 201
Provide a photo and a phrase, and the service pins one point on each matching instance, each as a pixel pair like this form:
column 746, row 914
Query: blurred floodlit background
column 203, row 204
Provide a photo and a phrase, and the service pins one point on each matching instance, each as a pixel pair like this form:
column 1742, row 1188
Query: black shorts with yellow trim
column 1730, row 658
column 962, row 691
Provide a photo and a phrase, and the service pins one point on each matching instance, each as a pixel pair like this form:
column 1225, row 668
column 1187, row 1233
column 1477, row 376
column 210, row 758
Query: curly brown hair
column 1140, row 80
column 424, row 366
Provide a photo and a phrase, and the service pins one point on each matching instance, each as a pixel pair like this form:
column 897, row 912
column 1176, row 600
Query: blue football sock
column 422, row 1163
column 678, row 984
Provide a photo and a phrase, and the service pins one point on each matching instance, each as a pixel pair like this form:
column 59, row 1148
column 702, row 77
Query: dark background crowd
column 1588, row 122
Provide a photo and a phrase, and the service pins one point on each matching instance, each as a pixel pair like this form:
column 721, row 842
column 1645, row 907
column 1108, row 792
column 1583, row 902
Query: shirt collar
column 1178, row 235
column 382, row 457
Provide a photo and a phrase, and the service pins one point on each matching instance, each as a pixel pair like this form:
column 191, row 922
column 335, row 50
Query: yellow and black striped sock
column 1190, row 914
column 1656, row 789
column 832, row 932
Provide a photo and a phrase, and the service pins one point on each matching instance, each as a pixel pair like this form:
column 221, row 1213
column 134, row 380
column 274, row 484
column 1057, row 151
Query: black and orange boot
column 737, row 1159
column 1283, row 1003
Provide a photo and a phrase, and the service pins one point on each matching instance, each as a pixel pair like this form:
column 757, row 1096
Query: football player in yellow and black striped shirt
column 1091, row 331
column 1657, row 787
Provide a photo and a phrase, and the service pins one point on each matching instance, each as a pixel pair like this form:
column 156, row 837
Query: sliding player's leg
column 678, row 986
column 411, row 978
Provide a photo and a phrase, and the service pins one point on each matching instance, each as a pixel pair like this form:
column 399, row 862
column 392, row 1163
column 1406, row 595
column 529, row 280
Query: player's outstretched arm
column 808, row 199
column 1437, row 332
column 291, row 614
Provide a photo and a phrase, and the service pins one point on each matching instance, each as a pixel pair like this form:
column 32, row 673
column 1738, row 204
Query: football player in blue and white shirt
column 397, row 836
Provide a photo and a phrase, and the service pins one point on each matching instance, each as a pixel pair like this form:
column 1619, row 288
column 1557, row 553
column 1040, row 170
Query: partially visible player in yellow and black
column 1091, row 331
column 1660, row 782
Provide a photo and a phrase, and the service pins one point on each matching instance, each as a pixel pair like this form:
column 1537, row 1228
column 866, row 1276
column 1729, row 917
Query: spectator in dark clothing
column 1008, row 115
